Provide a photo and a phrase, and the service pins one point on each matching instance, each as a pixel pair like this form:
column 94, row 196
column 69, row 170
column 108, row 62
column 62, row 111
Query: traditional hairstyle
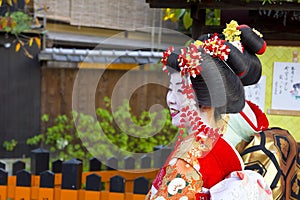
column 226, row 63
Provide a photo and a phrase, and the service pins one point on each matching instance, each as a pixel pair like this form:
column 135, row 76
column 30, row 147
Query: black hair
column 220, row 83
column 216, row 86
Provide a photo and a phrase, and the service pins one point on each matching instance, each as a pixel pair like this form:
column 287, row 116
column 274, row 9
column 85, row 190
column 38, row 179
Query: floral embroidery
column 173, row 161
column 160, row 198
column 179, row 181
column 176, row 185
column 184, row 198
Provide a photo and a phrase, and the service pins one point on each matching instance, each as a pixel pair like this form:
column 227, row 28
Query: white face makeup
column 175, row 98
column 175, row 101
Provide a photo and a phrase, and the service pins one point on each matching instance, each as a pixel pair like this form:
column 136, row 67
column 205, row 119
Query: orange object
column 69, row 194
column 3, row 192
column 11, row 186
column 46, row 193
column 92, row 195
column 115, row 195
column 23, row 193
column 131, row 196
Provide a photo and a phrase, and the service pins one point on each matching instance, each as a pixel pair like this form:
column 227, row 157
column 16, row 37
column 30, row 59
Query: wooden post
column 93, row 186
column 23, row 188
column 198, row 16
column 46, row 193
column 145, row 162
column 129, row 162
column 39, row 161
column 69, row 194
column 22, row 193
column 17, row 166
column 71, row 174
column 117, row 184
column 112, row 163
column 95, row 164
column 3, row 184
column 11, row 186
column 56, row 166
column 3, row 177
column 3, row 192
column 2, row 165
column 93, row 182
column 131, row 196
column 46, row 190
column 141, row 185
column 47, row 179
column 23, row 178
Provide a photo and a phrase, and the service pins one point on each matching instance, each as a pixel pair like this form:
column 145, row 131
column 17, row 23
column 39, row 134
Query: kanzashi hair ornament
column 165, row 57
column 190, row 57
column 190, row 60
column 231, row 32
column 216, row 47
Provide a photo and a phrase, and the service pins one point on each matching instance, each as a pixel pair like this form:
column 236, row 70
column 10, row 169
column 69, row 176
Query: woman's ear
column 207, row 109
column 209, row 113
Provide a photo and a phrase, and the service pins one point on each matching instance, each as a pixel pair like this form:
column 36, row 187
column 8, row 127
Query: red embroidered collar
column 262, row 121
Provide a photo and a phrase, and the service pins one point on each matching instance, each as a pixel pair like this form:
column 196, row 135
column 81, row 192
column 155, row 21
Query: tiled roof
column 99, row 56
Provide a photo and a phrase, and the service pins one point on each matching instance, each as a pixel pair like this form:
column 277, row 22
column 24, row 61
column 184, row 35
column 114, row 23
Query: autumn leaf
column 18, row 46
column 0, row 2
column 30, row 42
column 37, row 22
column 38, row 42
column 27, row 1
column 28, row 54
column 13, row 24
column 45, row 8
column 4, row 22
column 9, row 2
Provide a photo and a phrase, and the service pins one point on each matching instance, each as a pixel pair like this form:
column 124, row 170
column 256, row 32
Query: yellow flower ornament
column 231, row 32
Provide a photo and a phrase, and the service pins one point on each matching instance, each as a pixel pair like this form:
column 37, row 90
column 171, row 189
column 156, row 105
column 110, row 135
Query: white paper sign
column 256, row 93
column 286, row 86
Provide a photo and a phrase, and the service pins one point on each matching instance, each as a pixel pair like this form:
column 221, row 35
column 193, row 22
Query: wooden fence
column 66, row 180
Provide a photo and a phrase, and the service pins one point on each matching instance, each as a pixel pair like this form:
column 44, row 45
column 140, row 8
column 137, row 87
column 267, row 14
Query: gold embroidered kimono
column 193, row 168
column 274, row 154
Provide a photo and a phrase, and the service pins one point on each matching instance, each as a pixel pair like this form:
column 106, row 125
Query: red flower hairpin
column 216, row 47
column 165, row 57
column 189, row 61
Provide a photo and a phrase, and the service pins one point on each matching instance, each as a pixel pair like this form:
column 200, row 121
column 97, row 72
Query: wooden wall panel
column 57, row 89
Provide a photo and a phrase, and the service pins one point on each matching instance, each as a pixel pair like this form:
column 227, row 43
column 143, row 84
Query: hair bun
column 251, row 40
column 254, row 69
column 236, row 61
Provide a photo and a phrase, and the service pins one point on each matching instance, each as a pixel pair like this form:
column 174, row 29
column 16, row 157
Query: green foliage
column 60, row 139
column 82, row 136
column 15, row 22
column 183, row 16
column 10, row 145
column 133, row 133
column 187, row 20
column 213, row 17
